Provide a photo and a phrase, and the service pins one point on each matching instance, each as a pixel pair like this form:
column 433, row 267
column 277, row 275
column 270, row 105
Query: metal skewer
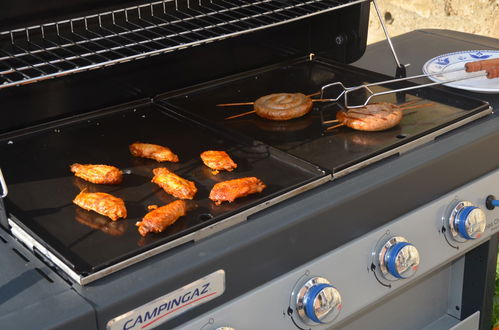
column 347, row 90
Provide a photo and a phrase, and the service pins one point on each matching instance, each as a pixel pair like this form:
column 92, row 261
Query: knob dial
column 466, row 222
column 398, row 259
column 318, row 302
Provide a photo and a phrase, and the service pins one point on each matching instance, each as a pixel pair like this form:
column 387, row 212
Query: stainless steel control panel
column 336, row 287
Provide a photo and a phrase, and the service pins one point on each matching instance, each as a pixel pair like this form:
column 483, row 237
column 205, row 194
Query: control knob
column 466, row 222
column 398, row 259
column 317, row 301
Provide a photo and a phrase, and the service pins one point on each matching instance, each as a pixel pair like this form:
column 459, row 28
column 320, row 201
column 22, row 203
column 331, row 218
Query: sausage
column 493, row 72
column 481, row 65
column 283, row 106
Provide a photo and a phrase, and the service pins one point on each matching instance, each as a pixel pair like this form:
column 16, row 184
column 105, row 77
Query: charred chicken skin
column 173, row 184
column 159, row 219
column 218, row 160
column 102, row 203
column 100, row 174
column 153, row 151
column 228, row 191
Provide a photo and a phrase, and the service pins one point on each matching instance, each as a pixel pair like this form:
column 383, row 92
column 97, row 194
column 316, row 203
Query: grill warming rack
column 95, row 41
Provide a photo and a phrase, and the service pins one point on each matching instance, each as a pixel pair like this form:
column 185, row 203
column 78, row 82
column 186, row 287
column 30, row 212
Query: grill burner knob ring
column 398, row 259
column 466, row 222
column 318, row 302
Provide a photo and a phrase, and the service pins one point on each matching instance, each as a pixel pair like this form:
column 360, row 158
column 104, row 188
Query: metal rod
column 425, row 75
column 60, row 59
column 159, row 26
column 385, row 30
column 219, row 25
column 67, row 49
column 133, row 42
column 345, row 90
column 174, row 34
column 73, row 43
column 27, row 65
column 469, row 76
column 97, row 43
column 3, row 184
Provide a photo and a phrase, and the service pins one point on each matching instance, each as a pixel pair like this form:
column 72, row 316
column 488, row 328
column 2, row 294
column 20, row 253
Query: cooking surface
column 306, row 137
column 41, row 186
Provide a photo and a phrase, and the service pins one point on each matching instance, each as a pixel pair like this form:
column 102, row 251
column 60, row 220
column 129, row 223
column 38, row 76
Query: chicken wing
column 159, row 219
column 153, row 151
column 218, row 160
column 228, row 191
column 173, row 184
column 102, row 203
column 100, row 174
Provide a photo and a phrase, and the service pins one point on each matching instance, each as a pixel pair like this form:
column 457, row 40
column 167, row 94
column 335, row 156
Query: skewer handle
column 493, row 72
column 481, row 65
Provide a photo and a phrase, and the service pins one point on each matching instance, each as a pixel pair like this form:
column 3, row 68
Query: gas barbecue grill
column 393, row 229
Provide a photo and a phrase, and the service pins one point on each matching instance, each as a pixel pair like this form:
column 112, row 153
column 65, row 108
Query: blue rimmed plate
column 454, row 61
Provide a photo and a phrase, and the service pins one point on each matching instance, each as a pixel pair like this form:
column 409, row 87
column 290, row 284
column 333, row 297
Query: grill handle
column 3, row 185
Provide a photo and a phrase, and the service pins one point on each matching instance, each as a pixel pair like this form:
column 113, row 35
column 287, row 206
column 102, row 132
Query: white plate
column 454, row 61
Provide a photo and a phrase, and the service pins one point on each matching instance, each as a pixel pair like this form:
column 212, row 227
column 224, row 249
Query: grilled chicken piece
column 153, row 151
column 218, row 160
column 100, row 174
column 228, row 191
column 173, row 184
column 102, row 203
column 159, row 219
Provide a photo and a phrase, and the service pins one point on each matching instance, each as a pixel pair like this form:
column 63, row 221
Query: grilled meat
column 283, row 106
column 173, row 184
column 102, row 203
column 218, row 160
column 228, row 191
column 372, row 117
column 153, row 151
column 159, row 219
column 100, row 174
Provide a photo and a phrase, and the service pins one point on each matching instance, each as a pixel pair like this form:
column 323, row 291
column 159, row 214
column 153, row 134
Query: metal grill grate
column 56, row 49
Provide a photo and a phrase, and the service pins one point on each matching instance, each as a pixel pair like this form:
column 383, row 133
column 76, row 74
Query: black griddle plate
column 41, row 186
column 306, row 137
